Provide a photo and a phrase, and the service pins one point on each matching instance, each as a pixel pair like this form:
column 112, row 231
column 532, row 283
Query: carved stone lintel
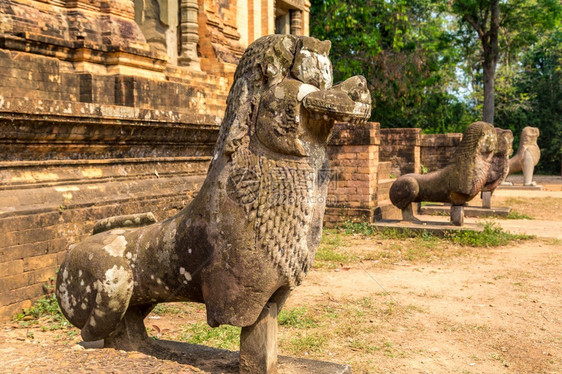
column 258, row 343
column 457, row 215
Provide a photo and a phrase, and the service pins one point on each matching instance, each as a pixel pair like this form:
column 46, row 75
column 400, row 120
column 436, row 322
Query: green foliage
column 533, row 97
column 401, row 47
column 493, row 31
column 423, row 62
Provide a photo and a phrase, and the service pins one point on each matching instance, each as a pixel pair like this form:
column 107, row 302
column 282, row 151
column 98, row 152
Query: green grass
column 329, row 252
column 306, row 342
column 492, row 235
column 516, row 215
column 298, row 318
column 225, row 337
column 355, row 242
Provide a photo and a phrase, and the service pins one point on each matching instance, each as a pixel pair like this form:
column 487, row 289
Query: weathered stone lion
column 527, row 156
column 499, row 166
column 457, row 183
column 252, row 232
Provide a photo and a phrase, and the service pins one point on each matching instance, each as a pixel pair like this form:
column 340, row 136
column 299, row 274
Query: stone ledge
column 537, row 187
column 469, row 211
column 435, row 227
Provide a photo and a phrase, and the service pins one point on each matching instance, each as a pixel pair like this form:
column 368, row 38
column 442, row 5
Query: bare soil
column 449, row 309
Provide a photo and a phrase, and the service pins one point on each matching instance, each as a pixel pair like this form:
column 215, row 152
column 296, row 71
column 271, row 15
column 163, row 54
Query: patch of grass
column 168, row 308
column 225, row 337
column 330, row 253
column 296, row 318
column 516, row 215
column 306, row 342
column 491, row 236
column 45, row 312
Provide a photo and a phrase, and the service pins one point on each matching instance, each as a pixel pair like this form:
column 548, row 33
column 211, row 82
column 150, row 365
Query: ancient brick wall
column 402, row 148
column 79, row 146
column 354, row 154
column 437, row 149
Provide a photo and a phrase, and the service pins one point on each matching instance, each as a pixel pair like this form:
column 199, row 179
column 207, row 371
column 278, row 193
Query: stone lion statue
column 499, row 166
column 458, row 182
column 251, row 234
column 527, row 156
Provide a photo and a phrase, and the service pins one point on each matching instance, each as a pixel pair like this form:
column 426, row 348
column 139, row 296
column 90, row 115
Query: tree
column 502, row 27
column 403, row 50
column 533, row 97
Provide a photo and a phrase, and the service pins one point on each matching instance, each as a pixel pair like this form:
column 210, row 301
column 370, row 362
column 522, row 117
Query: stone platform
column 221, row 361
column 435, row 227
column 469, row 211
column 538, row 187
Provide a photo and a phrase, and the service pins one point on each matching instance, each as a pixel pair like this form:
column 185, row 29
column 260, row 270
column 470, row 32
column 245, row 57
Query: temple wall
column 437, row 149
column 354, row 157
column 402, row 148
column 107, row 107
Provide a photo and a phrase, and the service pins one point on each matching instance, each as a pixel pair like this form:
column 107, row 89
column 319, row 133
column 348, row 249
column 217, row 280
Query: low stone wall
column 354, row 155
column 437, row 149
column 402, row 148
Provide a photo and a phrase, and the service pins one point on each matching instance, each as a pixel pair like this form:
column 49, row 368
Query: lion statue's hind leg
column 93, row 287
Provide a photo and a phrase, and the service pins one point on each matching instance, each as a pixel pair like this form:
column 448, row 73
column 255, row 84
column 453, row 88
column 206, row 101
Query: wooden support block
column 486, row 199
column 457, row 215
column 258, row 344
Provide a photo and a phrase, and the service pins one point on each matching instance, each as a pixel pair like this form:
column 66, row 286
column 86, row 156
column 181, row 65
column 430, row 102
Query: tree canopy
column 429, row 63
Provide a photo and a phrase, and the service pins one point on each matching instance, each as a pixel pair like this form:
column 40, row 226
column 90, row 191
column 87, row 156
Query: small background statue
column 527, row 156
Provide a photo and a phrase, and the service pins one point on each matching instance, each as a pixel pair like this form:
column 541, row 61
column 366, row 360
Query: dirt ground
column 467, row 310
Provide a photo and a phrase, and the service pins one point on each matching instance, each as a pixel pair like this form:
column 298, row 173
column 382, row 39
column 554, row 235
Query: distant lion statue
column 527, row 156
column 458, row 182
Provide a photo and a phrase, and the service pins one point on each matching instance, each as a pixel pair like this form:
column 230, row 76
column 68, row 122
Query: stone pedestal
column 457, row 215
column 258, row 344
column 486, row 199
